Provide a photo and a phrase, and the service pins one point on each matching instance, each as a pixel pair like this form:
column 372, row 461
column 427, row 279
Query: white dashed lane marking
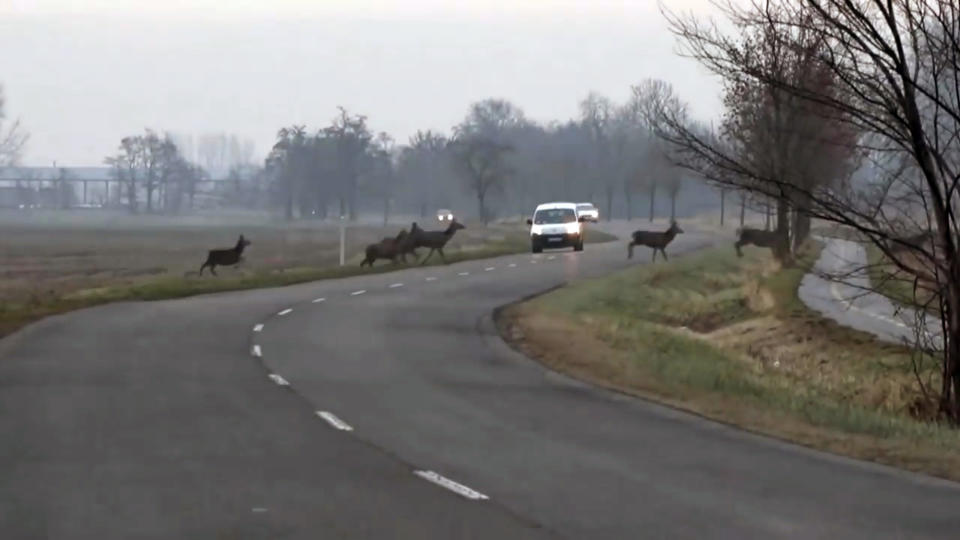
column 280, row 381
column 431, row 278
column 552, row 257
column 318, row 300
column 464, row 274
column 285, row 312
column 258, row 328
column 512, row 265
column 255, row 351
column 489, row 268
column 358, row 293
column 395, row 285
column 455, row 487
column 334, row 421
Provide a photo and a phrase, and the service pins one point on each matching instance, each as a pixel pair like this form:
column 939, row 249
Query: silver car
column 588, row 211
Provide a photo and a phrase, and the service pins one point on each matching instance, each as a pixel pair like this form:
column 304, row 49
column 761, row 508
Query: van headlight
column 573, row 228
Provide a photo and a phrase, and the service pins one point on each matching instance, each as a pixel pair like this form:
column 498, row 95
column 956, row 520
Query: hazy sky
column 81, row 74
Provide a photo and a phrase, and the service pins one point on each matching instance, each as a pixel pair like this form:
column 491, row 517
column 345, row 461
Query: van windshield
column 555, row 215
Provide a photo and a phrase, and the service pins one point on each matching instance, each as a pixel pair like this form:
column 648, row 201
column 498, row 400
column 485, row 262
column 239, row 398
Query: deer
column 389, row 248
column 225, row 257
column 435, row 240
column 760, row 238
column 656, row 240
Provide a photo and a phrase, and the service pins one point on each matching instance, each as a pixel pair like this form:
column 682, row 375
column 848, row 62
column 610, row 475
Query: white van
column 556, row 225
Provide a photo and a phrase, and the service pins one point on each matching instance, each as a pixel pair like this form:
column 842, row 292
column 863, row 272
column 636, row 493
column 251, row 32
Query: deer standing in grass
column 225, row 257
column 435, row 240
column 656, row 240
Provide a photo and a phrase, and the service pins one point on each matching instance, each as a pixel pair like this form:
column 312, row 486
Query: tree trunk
column 743, row 209
column 609, row 191
column 132, row 196
column 723, row 204
column 150, row 189
column 288, row 206
column 783, row 229
column 628, row 198
column 353, row 200
column 482, row 207
column 653, row 197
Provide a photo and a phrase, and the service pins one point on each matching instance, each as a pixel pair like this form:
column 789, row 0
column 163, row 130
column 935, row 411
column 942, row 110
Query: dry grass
column 58, row 261
column 727, row 338
column 54, row 264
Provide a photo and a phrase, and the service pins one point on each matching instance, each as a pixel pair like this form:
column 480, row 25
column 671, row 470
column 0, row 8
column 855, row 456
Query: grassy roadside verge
column 892, row 282
column 727, row 338
column 15, row 315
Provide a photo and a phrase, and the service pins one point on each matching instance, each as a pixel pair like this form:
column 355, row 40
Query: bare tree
column 889, row 73
column 482, row 163
column 12, row 137
column 424, row 166
column 596, row 113
column 481, row 144
column 352, row 138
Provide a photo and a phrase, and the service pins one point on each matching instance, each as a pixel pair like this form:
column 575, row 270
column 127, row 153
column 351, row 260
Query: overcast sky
column 82, row 74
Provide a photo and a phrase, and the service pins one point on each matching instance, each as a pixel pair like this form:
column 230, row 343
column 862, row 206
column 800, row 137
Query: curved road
column 839, row 288
column 320, row 411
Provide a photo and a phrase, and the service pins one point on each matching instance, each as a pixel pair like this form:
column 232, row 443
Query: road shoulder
column 736, row 371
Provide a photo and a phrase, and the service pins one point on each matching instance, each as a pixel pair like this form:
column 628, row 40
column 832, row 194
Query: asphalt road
column 197, row 418
column 839, row 288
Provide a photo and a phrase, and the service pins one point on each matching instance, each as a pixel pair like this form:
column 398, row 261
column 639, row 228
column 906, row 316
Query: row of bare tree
column 153, row 165
column 505, row 161
column 845, row 111
column 12, row 137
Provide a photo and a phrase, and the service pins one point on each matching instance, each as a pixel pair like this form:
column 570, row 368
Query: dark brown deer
column 389, row 248
column 225, row 257
column 435, row 240
column 764, row 239
column 656, row 240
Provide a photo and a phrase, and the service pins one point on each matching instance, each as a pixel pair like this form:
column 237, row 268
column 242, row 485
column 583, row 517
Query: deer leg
column 440, row 251
column 427, row 257
column 204, row 265
column 654, row 254
column 737, row 247
column 664, row 251
column 213, row 269
column 630, row 250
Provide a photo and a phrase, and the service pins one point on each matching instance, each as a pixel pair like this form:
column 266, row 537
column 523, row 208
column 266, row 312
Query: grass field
column 728, row 338
column 52, row 264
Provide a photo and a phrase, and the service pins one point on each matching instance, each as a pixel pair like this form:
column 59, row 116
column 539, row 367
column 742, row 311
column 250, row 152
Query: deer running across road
column 435, row 240
column 390, row 248
column 760, row 238
column 225, row 257
column 656, row 240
